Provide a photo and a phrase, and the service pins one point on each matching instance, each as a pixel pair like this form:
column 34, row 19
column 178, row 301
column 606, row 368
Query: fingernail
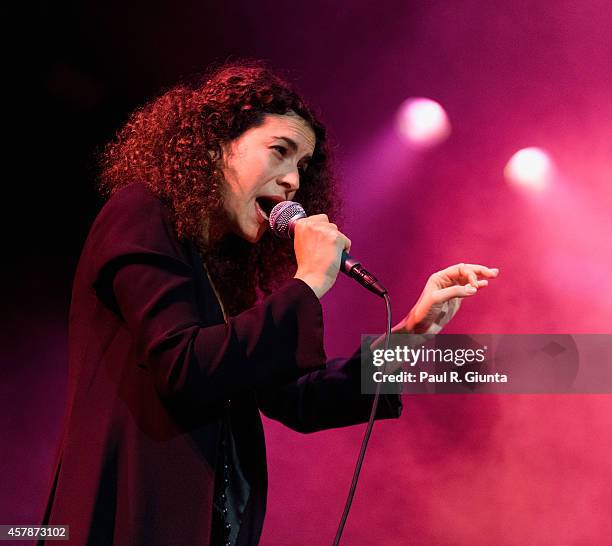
column 495, row 270
column 470, row 289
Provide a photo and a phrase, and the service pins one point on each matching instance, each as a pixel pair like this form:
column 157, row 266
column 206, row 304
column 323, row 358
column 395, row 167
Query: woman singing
column 188, row 317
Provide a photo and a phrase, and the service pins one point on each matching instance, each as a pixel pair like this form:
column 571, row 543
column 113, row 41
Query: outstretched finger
column 489, row 272
column 467, row 273
column 456, row 291
column 459, row 274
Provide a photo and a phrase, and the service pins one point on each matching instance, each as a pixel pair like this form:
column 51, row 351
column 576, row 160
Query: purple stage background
column 454, row 470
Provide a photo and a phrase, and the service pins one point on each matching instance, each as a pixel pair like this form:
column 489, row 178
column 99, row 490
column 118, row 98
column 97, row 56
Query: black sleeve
column 141, row 269
column 327, row 398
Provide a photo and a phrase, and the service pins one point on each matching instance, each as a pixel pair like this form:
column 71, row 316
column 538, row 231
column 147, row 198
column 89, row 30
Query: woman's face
column 262, row 167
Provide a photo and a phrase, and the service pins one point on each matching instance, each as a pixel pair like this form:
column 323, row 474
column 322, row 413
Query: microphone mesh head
column 282, row 217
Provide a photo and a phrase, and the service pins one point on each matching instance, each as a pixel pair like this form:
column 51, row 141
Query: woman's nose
column 290, row 179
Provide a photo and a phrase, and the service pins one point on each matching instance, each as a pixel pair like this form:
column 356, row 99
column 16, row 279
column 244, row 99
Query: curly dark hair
column 172, row 144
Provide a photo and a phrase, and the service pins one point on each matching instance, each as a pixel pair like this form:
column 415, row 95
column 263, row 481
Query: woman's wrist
column 312, row 282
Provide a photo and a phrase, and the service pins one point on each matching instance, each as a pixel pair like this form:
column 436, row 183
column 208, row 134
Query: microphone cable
column 282, row 222
column 366, row 437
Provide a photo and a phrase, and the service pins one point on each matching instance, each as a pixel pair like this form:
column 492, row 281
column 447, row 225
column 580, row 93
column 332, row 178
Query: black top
column 152, row 363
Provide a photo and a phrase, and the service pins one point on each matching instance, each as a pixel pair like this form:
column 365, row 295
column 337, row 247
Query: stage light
column 422, row 122
column 531, row 168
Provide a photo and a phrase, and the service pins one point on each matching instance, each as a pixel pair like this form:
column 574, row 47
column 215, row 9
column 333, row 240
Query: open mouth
column 265, row 205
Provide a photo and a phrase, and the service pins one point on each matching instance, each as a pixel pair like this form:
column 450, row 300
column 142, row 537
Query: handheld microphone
column 282, row 222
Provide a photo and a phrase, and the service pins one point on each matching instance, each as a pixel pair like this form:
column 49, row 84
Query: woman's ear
column 221, row 152
column 215, row 155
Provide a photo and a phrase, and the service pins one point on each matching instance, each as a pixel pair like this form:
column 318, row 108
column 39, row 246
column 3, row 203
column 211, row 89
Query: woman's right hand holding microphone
column 318, row 248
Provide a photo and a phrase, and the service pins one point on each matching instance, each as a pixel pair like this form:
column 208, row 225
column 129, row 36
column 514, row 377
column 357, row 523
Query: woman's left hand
column 442, row 295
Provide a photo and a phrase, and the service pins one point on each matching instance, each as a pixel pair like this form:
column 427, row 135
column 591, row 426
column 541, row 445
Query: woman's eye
column 280, row 149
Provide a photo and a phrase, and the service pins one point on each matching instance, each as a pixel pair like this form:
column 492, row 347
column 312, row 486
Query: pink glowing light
column 531, row 168
column 422, row 122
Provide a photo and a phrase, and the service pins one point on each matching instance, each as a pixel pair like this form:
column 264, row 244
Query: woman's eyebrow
column 291, row 143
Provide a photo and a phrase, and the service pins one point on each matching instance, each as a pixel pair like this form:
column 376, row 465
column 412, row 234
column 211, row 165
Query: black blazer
column 152, row 364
